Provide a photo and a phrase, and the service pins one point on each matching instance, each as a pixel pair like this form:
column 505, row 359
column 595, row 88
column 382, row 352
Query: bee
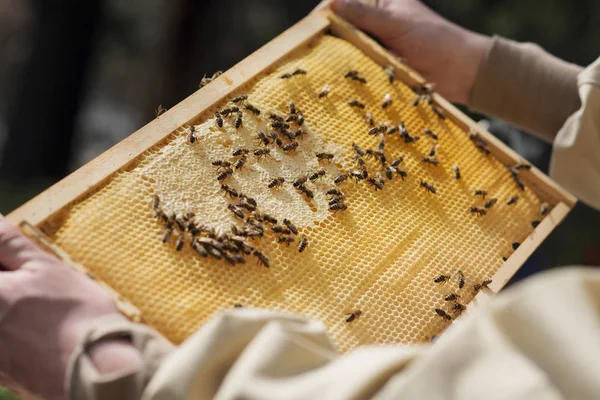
column 369, row 119
column 285, row 76
column 431, row 160
column 240, row 99
column 324, row 156
column 238, row 121
column 298, row 71
column 484, row 284
column 518, row 182
column 275, row 117
column 279, row 125
column 240, row 152
column 397, row 161
column 290, row 225
column 340, row 178
column 287, row 239
column 290, row 147
column 337, row 200
column 199, row 249
column 387, row 101
column 480, row 211
column 238, row 305
column 428, row 187
column 338, row 207
column 236, row 211
column 393, row 129
column 252, row 109
column 168, row 233
column 520, row 166
column 300, row 120
column 490, row 203
column 359, row 79
column 269, row 219
column 512, row 200
column 221, row 164
column 483, row 147
column 389, row 71
column 516, row 245
column 416, row 100
column 302, row 244
column 300, row 181
column 276, row 183
column 218, row 120
column 281, row 229
column 389, row 172
column 535, row 224
column 381, row 143
column 307, row 192
column 240, row 162
column 262, row 259
column 291, row 118
column 441, row 278
column 357, row 104
column 289, row 134
column 324, row 92
column 231, row 192
column 411, row 139
column 359, row 151
column 156, row 203
column 403, row 174
column 353, row 315
column 433, row 150
column 438, row 111
column 443, row 314
column 317, row 175
column 456, row 170
column 262, row 152
column 376, row 182
column 180, row 242
column 226, row 112
column 460, row 278
column 299, row 133
column 334, row 192
column 292, row 107
column 351, row 73
column 192, row 135
column 451, row 297
column 245, row 204
column 481, row 192
column 358, row 175
column 504, row 258
column 216, row 253
column 223, row 175
column 430, row 133
column 403, row 130
column 160, row 111
column 544, row 208
column 458, row 308
column 373, row 131
column 263, row 138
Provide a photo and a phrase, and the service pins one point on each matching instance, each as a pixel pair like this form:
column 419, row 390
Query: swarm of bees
column 454, row 296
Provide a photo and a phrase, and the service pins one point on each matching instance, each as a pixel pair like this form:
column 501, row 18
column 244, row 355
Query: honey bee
column 324, row 156
column 442, row 278
column 290, row 147
column 238, row 121
column 411, row 139
column 223, row 175
column 373, row 131
column 369, row 119
column 433, row 150
column 416, row 100
column 160, row 111
column 292, row 107
column 236, row 211
column 276, row 183
column 428, row 187
column 353, row 315
column 340, row 178
column 504, row 258
column 281, row 229
column 285, row 76
column 403, row 174
column 238, row 305
column 279, row 125
column 156, row 203
column 481, row 192
column 512, row 200
column 231, row 192
column 275, row 117
column 516, row 245
column 518, row 182
column 351, row 73
column 307, row 192
column 300, row 181
column 520, row 166
column 324, row 92
column 430, row 133
column 216, row 253
column 389, row 71
column 180, row 242
column 226, row 112
column 336, row 200
column 443, row 314
column 483, row 147
column 263, row 138
column 377, row 182
column 535, row 224
column 441, row 114
column 387, row 101
column 218, row 120
column 291, row 118
column 298, row 71
column 480, row 211
column 300, row 119
column 451, row 297
column 356, row 103
column 338, row 207
column 359, row 79
column 252, row 109
column 246, row 205
column 397, row 161
column 484, row 284
column 168, row 233
column 359, row 151
column 358, row 175
column 240, row 152
column 240, row 99
column 456, row 170
column 302, row 244
column 221, row 164
column 490, row 203
column 240, row 162
column 285, row 239
column 431, row 160
column 317, row 175
column 290, row 225
column 192, row 134
column 389, row 172
column 289, row 134
column 458, row 308
column 381, row 143
column 460, row 278
column 262, row 259
column 269, row 219
column 544, row 207
column 262, row 152
column 199, row 249
column 334, row 192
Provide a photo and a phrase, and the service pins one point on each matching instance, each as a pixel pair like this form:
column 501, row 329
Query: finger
column 16, row 248
column 368, row 18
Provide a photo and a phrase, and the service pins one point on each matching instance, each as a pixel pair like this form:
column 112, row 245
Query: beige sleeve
column 524, row 85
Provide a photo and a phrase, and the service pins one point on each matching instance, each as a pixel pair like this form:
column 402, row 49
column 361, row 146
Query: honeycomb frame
column 47, row 210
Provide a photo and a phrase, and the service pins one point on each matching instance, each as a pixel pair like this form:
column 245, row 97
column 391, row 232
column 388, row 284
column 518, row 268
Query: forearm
column 524, row 85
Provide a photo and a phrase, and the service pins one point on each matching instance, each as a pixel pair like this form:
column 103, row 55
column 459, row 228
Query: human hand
column 443, row 52
column 45, row 310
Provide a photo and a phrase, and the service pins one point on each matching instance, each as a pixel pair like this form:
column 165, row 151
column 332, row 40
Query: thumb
column 373, row 20
column 15, row 248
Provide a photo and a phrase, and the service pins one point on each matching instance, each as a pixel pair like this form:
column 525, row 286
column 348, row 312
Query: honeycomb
column 380, row 256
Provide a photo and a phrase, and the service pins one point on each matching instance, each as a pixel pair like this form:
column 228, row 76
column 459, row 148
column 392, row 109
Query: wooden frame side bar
column 69, row 189
column 503, row 153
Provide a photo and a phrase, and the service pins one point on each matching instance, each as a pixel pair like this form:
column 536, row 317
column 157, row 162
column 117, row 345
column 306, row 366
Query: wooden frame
column 44, row 206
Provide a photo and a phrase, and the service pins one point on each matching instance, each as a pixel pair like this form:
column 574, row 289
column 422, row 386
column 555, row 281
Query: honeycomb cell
column 380, row 255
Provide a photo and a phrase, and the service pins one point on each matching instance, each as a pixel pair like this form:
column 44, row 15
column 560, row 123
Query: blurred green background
column 76, row 77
